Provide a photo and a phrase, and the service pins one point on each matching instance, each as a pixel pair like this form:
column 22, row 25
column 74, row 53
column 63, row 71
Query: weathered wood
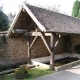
column 45, row 42
column 34, row 18
column 53, row 47
column 36, row 30
column 56, row 44
column 36, row 34
column 33, row 42
column 3, row 32
column 52, row 42
column 14, row 21
column 19, row 31
column 34, row 39
column 29, row 51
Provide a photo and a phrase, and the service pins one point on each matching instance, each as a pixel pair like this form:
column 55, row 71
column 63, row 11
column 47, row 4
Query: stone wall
column 39, row 49
column 61, row 46
column 15, row 50
column 75, row 40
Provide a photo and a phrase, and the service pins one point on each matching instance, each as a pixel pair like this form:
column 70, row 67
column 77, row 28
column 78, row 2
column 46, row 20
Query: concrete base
column 67, row 65
column 42, row 60
column 73, row 55
column 47, row 58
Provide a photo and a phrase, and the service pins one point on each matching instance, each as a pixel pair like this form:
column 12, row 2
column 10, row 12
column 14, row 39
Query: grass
column 33, row 73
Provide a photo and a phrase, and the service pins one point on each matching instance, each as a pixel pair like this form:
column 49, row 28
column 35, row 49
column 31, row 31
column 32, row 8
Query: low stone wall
column 57, row 68
column 41, row 61
column 67, row 65
column 47, row 58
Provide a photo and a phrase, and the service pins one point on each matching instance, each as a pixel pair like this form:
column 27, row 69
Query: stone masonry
column 15, row 50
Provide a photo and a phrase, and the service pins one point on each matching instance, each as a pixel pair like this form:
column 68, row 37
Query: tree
column 51, row 8
column 3, row 21
column 76, row 9
column 10, row 17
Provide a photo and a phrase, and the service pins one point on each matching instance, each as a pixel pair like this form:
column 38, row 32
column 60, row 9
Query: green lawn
column 33, row 73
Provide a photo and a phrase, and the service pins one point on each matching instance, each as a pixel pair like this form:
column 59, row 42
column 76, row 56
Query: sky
column 13, row 5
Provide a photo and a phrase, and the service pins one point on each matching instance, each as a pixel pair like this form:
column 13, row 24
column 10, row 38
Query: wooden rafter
column 34, row 18
column 45, row 42
column 14, row 21
column 56, row 44
column 33, row 42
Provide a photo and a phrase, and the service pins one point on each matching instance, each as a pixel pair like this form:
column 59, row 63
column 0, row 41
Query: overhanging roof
column 49, row 21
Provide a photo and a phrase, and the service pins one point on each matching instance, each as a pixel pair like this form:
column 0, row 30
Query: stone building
column 37, row 32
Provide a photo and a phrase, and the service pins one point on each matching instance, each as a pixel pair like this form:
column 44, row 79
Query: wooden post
column 29, row 51
column 52, row 42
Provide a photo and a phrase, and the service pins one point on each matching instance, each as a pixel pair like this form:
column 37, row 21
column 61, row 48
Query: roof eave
column 52, row 31
column 14, row 21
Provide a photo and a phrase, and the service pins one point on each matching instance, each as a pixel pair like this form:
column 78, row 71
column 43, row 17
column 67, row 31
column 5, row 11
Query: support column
column 29, row 51
column 52, row 43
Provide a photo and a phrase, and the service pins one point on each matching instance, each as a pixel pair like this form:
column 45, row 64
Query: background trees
column 3, row 20
column 76, row 9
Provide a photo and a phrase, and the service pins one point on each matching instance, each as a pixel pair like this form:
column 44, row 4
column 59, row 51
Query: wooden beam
column 36, row 34
column 19, row 31
column 52, row 42
column 45, row 42
column 62, row 34
column 53, row 47
column 56, row 44
column 34, row 18
column 29, row 33
column 33, row 42
column 29, row 51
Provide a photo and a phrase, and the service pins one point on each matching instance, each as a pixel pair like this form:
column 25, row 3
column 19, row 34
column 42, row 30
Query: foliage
column 10, row 17
column 76, row 9
column 22, row 70
column 33, row 73
column 3, row 39
column 3, row 21
column 51, row 8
